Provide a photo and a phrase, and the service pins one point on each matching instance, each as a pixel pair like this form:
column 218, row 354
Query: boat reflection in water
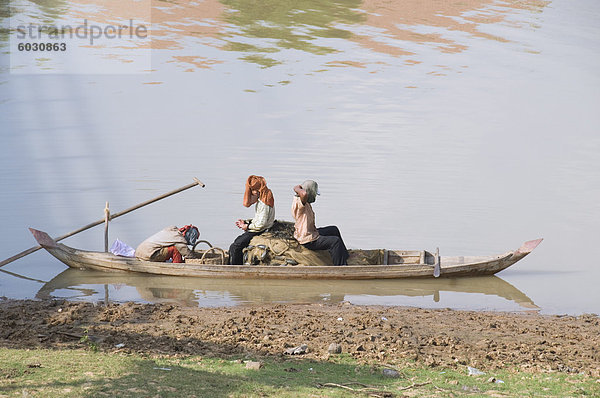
column 194, row 292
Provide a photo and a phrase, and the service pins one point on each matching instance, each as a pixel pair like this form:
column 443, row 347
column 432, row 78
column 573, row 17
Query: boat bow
column 43, row 238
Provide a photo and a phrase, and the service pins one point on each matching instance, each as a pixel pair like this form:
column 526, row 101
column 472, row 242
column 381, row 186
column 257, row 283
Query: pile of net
column 278, row 247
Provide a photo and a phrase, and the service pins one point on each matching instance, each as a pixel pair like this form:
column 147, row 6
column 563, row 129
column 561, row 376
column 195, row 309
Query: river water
column 471, row 126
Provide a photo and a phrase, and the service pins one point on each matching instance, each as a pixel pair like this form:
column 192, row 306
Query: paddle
column 437, row 266
column 112, row 216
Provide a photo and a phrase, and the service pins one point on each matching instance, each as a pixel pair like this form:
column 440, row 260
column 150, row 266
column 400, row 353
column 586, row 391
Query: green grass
column 86, row 373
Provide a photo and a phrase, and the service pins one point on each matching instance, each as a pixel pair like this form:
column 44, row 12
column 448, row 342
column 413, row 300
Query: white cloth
column 264, row 217
column 169, row 236
column 122, row 249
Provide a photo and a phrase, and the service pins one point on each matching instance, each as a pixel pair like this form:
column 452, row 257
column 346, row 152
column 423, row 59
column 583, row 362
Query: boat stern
column 528, row 246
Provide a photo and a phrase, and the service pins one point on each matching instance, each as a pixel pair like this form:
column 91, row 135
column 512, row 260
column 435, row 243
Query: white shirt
column 264, row 217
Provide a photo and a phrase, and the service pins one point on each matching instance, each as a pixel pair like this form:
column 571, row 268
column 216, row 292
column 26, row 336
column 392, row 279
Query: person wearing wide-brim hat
column 305, row 231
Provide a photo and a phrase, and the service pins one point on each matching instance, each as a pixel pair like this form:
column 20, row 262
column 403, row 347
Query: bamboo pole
column 112, row 217
column 106, row 219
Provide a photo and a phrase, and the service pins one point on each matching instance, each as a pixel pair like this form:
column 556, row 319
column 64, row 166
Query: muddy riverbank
column 384, row 335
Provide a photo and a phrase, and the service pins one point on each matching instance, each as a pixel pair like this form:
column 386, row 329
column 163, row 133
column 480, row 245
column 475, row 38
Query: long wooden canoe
column 398, row 264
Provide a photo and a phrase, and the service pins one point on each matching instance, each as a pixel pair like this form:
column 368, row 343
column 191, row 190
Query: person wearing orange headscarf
column 256, row 192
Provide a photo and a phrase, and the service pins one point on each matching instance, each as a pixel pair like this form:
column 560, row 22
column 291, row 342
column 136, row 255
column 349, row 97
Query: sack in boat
column 268, row 250
column 277, row 246
column 122, row 249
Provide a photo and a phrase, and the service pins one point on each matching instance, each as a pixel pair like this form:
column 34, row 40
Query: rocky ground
column 371, row 334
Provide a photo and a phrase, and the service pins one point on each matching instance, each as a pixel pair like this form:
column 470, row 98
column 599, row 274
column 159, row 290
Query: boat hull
column 450, row 266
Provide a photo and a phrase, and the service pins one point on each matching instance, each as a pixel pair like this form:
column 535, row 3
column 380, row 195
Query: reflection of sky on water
column 100, row 286
column 494, row 300
column 452, row 300
column 473, row 150
column 123, row 293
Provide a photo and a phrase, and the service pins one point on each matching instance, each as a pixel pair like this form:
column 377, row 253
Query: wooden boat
column 396, row 264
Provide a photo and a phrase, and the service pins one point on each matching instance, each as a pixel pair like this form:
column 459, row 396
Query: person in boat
column 256, row 191
column 305, row 232
column 171, row 243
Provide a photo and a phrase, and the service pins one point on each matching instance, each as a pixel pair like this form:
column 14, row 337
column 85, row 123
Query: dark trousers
column 330, row 239
column 236, row 250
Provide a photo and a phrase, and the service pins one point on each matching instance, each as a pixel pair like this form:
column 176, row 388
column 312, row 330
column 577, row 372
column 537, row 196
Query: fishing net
column 279, row 247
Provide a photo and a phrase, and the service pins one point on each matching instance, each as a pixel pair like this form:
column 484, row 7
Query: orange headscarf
column 258, row 183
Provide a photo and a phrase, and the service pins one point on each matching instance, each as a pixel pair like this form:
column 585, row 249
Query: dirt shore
column 372, row 334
